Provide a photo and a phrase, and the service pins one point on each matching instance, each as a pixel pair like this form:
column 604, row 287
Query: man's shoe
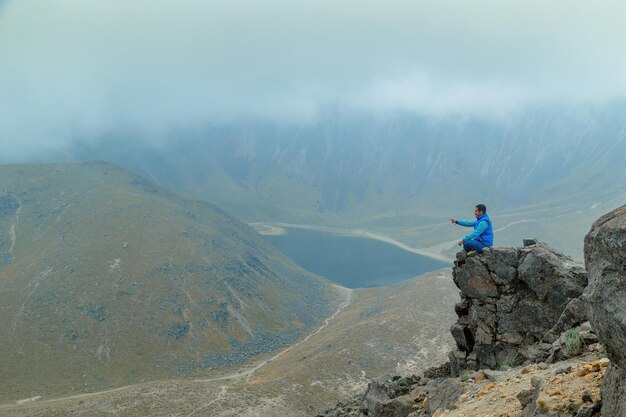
column 471, row 253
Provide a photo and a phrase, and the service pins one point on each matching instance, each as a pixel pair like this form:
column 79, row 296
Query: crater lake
column 353, row 262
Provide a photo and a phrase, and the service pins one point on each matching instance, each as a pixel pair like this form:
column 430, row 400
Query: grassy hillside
column 108, row 279
column 398, row 329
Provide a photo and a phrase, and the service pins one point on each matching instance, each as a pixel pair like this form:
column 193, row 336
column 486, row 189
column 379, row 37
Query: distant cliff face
column 557, row 170
column 358, row 165
column 108, row 279
column 511, row 300
column 605, row 258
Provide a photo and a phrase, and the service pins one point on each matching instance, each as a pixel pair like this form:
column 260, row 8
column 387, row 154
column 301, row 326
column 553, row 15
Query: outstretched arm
column 482, row 226
column 463, row 223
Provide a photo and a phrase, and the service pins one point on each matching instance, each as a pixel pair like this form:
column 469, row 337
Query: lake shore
column 275, row 229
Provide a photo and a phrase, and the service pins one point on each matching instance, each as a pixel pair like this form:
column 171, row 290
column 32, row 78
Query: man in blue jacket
column 482, row 236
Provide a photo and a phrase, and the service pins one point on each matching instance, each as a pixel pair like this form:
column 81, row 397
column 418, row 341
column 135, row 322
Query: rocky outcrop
column 527, row 305
column 515, row 303
column 605, row 259
column 414, row 396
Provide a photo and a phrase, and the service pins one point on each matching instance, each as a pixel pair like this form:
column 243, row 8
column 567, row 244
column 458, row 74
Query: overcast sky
column 75, row 68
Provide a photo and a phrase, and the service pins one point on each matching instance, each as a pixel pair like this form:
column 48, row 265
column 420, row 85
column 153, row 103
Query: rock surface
column 511, row 299
column 568, row 388
column 529, row 304
column 605, row 259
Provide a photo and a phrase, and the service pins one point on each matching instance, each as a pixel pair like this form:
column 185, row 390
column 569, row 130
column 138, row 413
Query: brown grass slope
column 108, row 279
column 402, row 328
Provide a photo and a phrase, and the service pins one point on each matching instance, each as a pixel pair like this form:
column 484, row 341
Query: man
column 482, row 236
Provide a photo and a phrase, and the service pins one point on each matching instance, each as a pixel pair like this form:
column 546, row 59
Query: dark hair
column 481, row 207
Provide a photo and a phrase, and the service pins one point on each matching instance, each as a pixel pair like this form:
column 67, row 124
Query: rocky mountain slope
column 400, row 328
column 108, row 279
column 526, row 307
column 571, row 387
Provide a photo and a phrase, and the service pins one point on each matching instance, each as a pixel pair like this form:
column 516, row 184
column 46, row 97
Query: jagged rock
column 388, row 396
column 419, row 394
column 463, row 337
column 476, row 281
column 588, row 337
column 534, row 353
column 443, row 394
column 462, row 308
column 525, row 397
column 511, row 298
column 485, row 334
column 440, row 371
column 529, row 242
column 396, row 407
column 512, row 338
column 376, row 393
column 605, row 259
column 454, row 359
column 575, row 313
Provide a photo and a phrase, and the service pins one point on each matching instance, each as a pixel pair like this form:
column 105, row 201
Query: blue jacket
column 483, row 229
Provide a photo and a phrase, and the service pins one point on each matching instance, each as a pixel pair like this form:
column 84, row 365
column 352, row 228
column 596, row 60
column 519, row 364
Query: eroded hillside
column 402, row 328
column 107, row 279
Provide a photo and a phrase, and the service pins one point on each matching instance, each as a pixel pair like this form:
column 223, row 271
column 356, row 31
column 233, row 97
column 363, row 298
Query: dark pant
column 472, row 244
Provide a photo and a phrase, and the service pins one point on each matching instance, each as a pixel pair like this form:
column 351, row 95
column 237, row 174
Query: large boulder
column 605, row 259
column 511, row 299
column 388, row 398
column 614, row 392
column 443, row 394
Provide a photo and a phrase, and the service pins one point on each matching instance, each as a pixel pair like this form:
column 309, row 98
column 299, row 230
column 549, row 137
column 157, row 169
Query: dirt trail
column 30, row 401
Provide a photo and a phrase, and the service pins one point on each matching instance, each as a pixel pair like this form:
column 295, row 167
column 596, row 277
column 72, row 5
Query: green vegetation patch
column 573, row 341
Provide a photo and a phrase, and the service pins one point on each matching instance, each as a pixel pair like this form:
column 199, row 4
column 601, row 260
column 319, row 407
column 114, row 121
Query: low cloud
column 72, row 70
column 427, row 95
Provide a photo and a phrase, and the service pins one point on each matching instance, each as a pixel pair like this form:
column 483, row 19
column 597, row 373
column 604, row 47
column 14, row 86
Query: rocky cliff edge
column 515, row 304
column 525, row 346
column 605, row 299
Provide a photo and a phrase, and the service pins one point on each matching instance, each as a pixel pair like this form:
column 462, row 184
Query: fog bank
column 72, row 71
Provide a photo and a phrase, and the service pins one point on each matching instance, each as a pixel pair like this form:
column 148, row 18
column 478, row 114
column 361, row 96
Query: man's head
column 480, row 210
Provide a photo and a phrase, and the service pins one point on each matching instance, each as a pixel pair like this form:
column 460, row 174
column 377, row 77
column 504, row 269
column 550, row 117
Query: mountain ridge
column 108, row 278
